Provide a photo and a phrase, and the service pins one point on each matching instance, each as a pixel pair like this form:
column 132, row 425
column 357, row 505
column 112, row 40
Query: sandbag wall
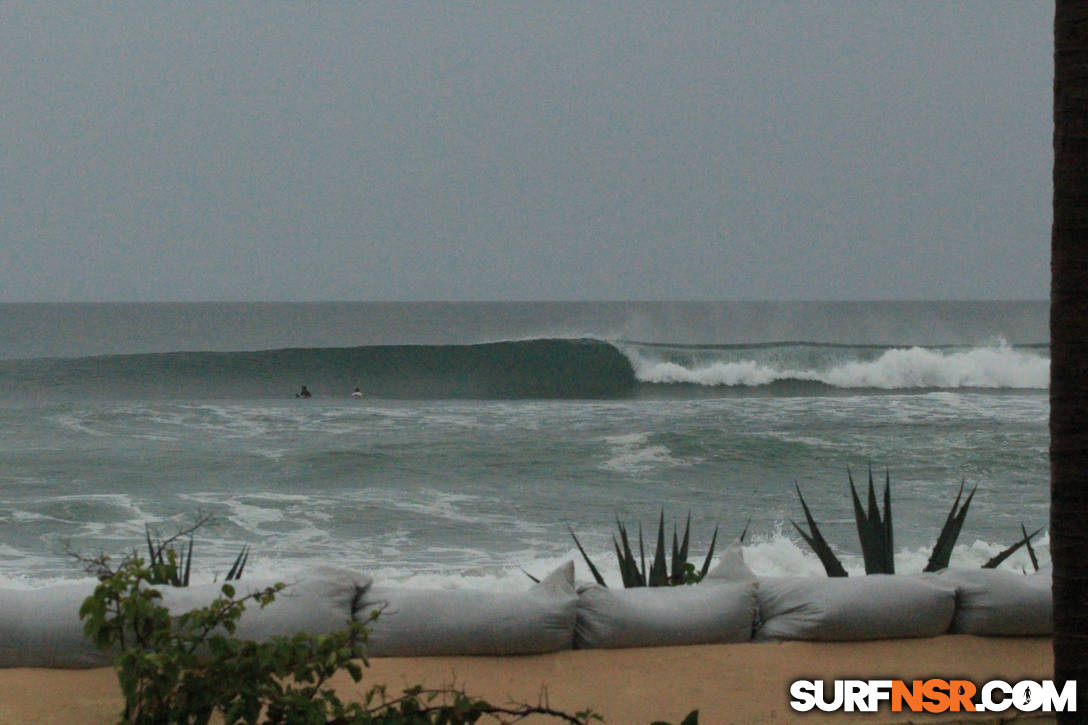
column 41, row 628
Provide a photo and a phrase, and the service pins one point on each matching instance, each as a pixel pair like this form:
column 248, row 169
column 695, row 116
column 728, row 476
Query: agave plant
column 1025, row 541
column 663, row 571
column 942, row 550
column 817, row 542
column 875, row 532
column 874, row 529
column 169, row 566
column 169, row 562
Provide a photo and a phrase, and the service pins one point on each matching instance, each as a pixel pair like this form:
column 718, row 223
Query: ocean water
column 487, row 429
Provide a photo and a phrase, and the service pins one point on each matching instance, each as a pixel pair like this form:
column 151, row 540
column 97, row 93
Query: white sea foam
column 995, row 366
column 632, row 453
column 1000, row 366
column 772, row 555
column 75, row 421
column 745, row 372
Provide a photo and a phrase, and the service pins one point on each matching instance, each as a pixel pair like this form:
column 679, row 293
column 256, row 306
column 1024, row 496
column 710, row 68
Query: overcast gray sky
column 524, row 150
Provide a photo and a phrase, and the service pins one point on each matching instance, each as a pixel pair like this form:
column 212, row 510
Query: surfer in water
column 356, row 393
column 304, row 393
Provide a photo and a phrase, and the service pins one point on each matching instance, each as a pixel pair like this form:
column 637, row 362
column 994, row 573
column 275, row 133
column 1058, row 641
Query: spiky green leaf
column 239, row 564
column 817, row 542
column 188, row 562
column 873, row 532
column 686, row 543
column 889, row 539
column 1027, row 543
column 659, row 575
column 709, row 554
column 994, row 562
column 622, row 562
column 677, row 567
column 152, row 560
column 629, row 569
column 592, row 569
column 946, row 540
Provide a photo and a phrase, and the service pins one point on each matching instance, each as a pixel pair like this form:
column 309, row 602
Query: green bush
column 185, row 669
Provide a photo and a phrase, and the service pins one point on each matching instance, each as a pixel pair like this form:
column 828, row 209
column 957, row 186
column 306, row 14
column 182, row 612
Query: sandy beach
column 735, row 683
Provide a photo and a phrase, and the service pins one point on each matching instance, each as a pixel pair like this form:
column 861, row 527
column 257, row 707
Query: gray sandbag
column 876, row 606
column 42, row 628
column 731, row 567
column 1001, row 602
column 430, row 622
column 320, row 601
column 709, row 613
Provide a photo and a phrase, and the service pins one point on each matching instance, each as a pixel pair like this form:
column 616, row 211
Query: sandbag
column 876, row 606
column 1001, row 602
column 42, row 628
column 320, row 601
column 731, row 567
column 709, row 613
column 426, row 622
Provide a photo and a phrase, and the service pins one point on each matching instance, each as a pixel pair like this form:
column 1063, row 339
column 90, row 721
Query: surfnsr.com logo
column 933, row 695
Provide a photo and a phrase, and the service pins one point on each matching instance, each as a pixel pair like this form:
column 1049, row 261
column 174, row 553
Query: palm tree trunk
column 1069, row 348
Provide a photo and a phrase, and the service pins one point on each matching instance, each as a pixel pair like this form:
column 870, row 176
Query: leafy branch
column 167, row 562
column 189, row 668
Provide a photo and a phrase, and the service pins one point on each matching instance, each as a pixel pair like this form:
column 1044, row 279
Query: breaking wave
column 851, row 367
column 583, row 368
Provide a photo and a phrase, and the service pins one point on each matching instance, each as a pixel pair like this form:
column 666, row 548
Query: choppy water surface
column 477, row 471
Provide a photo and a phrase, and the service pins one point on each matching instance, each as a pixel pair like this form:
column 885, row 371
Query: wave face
column 997, row 366
column 553, row 368
column 547, row 368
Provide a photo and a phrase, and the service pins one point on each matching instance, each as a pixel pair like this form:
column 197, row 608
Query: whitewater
column 488, row 429
column 996, row 365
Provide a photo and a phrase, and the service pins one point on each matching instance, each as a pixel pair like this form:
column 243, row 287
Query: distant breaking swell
column 540, row 368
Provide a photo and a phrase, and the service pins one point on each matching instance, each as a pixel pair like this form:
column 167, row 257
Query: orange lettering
column 911, row 695
column 937, row 692
column 961, row 693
